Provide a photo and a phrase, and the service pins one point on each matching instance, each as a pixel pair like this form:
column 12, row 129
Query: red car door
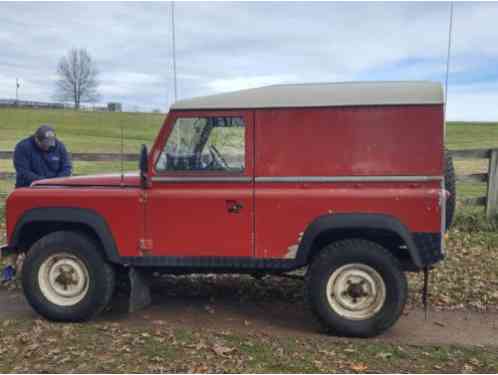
column 201, row 198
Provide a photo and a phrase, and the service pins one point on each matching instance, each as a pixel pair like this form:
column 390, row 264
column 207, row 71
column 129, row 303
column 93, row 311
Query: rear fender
column 358, row 221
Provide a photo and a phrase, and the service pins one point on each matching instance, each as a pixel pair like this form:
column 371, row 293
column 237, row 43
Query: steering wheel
column 217, row 156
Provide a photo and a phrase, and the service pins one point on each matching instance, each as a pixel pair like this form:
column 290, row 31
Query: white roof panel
column 321, row 95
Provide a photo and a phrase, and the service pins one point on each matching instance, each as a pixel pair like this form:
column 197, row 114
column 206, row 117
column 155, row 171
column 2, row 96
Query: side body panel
column 350, row 141
column 285, row 210
column 313, row 162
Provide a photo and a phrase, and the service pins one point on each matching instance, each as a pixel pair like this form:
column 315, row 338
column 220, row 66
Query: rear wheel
column 65, row 277
column 356, row 288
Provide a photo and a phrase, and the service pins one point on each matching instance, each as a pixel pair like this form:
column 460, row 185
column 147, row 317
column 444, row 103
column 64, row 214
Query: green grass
column 39, row 346
column 82, row 131
column 462, row 135
column 465, row 135
column 101, row 132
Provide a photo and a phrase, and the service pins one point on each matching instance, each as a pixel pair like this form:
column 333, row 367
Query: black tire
column 356, row 251
column 101, row 277
column 450, row 186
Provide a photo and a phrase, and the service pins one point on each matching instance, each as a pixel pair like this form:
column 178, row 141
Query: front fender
column 68, row 215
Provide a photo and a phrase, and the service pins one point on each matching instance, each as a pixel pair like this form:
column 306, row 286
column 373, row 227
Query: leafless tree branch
column 77, row 78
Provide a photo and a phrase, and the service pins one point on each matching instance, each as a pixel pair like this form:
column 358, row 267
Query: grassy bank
column 38, row 346
column 81, row 131
column 101, row 132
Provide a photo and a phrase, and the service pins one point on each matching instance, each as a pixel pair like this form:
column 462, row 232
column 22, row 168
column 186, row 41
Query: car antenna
column 425, row 288
column 122, row 156
column 448, row 56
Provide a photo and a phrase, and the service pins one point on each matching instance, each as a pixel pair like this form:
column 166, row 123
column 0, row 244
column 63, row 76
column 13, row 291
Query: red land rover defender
column 345, row 180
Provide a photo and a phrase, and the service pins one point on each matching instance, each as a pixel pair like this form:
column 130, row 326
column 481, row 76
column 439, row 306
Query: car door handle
column 234, row 207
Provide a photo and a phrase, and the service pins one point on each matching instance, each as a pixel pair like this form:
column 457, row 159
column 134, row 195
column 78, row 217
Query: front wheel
column 65, row 277
column 356, row 288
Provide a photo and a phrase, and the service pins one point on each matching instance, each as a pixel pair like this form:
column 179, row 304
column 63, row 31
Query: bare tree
column 77, row 78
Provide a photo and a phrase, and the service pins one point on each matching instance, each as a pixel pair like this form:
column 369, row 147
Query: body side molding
column 332, row 179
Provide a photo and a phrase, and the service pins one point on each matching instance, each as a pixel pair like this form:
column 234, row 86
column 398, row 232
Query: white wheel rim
column 63, row 279
column 356, row 291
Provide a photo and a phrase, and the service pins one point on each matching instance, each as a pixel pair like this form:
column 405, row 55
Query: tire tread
column 89, row 251
column 329, row 255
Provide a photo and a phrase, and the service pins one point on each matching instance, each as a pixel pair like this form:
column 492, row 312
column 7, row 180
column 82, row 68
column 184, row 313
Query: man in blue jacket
column 41, row 156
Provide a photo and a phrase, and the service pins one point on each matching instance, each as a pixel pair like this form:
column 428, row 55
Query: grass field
column 81, row 131
column 101, row 132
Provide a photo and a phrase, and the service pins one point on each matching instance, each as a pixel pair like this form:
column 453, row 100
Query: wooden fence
column 490, row 201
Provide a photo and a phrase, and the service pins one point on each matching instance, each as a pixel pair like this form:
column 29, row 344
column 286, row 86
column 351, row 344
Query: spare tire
column 450, row 186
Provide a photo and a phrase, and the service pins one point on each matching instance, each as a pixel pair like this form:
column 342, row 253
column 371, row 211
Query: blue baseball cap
column 45, row 134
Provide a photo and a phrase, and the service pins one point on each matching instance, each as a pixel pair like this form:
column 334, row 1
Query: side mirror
column 144, row 163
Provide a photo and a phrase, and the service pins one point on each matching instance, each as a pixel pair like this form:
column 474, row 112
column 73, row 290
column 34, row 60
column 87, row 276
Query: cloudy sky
column 229, row 46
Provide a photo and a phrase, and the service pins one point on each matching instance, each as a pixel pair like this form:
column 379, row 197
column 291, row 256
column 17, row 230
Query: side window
column 205, row 144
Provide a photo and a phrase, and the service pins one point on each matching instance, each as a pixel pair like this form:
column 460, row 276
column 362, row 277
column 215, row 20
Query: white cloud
column 123, row 83
column 230, row 46
column 239, row 83
column 473, row 102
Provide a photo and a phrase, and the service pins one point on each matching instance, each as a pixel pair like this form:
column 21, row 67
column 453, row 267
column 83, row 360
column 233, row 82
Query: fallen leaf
column 384, row 355
column 359, row 367
column 222, row 350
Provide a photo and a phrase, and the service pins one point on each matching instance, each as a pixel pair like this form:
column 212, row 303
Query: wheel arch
column 38, row 222
column 383, row 229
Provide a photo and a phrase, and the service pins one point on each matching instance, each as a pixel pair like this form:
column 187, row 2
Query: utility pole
column 448, row 56
column 175, row 88
column 174, row 48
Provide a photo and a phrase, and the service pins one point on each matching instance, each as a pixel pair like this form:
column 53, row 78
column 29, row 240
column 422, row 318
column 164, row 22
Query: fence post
column 492, row 196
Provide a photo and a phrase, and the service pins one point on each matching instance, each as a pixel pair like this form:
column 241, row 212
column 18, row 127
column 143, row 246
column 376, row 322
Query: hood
column 115, row 179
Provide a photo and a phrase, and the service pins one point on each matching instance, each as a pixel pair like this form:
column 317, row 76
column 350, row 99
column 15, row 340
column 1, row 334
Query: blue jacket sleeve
column 22, row 165
column 66, row 165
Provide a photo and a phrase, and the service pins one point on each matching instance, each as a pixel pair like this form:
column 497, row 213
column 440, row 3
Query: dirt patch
column 225, row 304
